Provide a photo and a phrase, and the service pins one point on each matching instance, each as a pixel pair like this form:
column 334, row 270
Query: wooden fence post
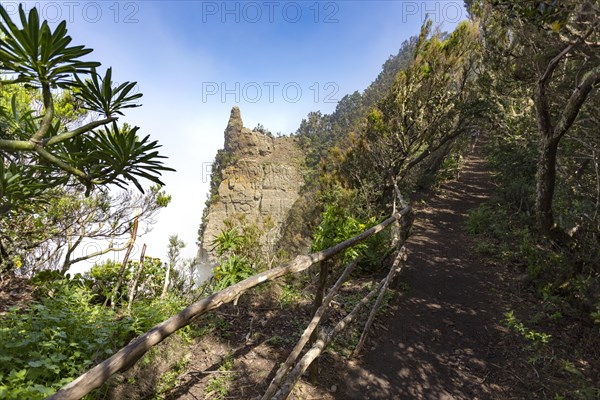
column 308, row 332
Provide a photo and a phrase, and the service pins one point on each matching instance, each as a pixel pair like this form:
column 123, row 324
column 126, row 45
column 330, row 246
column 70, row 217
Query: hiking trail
column 443, row 338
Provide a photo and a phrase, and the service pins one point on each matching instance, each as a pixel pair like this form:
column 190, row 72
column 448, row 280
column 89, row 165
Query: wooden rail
column 128, row 355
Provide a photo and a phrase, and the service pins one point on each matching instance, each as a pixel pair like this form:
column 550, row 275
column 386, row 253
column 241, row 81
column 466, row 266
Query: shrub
column 64, row 333
column 54, row 340
column 232, row 270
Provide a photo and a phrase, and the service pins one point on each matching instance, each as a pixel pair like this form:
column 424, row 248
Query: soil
column 14, row 292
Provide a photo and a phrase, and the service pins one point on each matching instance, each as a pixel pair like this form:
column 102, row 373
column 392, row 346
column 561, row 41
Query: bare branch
column 312, row 326
column 321, row 344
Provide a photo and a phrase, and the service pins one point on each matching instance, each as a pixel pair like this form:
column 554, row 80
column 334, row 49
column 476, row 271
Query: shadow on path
column 442, row 340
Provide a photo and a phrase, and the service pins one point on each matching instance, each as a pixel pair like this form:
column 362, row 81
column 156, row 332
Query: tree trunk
column 546, row 178
column 134, row 284
column 167, row 278
column 119, row 282
column 551, row 134
column 113, row 297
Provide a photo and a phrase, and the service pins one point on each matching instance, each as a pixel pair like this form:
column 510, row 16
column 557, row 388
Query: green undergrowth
column 219, row 385
column 553, row 273
column 63, row 333
column 291, row 292
column 345, row 343
column 153, row 376
column 562, row 273
column 535, row 338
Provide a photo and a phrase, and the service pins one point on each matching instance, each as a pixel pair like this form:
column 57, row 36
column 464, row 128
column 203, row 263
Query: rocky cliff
column 263, row 179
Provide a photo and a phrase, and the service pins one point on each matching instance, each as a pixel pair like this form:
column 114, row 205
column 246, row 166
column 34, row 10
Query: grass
column 277, row 340
column 211, row 323
column 169, row 380
column 290, row 295
column 219, row 385
column 537, row 339
column 345, row 343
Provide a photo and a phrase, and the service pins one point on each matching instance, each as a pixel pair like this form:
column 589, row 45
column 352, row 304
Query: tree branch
column 60, row 163
column 430, row 149
column 312, row 326
column 16, row 145
column 554, row 63
column 70, row 249
column 321, row 344
column 76, row 132
column 48, row 116
column 396, row 268
column 575, row 102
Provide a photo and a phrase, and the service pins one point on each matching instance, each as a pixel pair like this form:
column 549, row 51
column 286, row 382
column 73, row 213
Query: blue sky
column 194, row 60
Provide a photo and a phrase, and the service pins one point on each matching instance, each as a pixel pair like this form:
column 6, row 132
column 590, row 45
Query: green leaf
column 35, row 364
column 36, row 53
column 102, row 97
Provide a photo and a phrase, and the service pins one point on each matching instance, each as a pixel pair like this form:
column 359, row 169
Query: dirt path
column 443, row 340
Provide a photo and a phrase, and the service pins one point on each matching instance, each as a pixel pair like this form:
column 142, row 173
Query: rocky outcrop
column 262, row 180
column 244, row 143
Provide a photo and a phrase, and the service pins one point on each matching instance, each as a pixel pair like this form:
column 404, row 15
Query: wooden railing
column 279, row 388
